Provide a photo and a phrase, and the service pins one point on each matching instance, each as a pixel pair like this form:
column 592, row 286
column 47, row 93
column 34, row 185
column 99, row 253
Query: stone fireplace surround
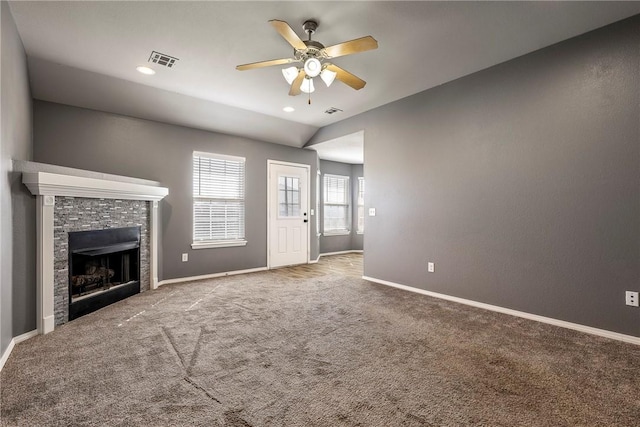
column 68, row 190
column 88, row 214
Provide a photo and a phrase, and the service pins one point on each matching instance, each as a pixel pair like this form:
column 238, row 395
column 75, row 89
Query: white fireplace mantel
column 46, row 186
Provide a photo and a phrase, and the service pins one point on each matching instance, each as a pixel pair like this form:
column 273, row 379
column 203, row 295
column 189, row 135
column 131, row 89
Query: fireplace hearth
column 104, row 267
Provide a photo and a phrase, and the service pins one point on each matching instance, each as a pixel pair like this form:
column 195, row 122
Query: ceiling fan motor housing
column 310, row 26
column 313, row 50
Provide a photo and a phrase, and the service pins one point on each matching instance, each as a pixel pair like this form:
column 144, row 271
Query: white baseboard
column 354, row 251
column 210, row 276
column 549, row 320
column 315, row 261
column 25, row 336
column 12, row 343
column 7, row 353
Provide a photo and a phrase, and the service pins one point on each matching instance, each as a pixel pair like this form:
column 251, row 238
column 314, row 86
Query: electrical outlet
column 185, row 257
column 431, row 267
column 372, row 211
column 631, row 298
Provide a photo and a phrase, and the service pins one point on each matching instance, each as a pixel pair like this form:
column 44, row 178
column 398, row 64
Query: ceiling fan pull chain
column 309, row 98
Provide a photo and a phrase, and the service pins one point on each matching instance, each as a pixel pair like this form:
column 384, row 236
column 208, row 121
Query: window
column 336, row 204
column 218, row 200
column 288, row 196
column 360, row 228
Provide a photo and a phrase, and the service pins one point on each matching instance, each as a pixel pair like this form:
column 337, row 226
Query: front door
column 288, row 214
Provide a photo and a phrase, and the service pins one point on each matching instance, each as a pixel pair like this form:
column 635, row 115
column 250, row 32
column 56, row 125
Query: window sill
column 220, row 244
column 359, row 232
column 337, row 233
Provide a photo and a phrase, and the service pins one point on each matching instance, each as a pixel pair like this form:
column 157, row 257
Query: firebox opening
column 104, row 267
column 100, row 273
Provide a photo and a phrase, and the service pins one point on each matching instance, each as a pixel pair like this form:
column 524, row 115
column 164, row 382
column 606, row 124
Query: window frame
column 218, row 243
column 347, row 205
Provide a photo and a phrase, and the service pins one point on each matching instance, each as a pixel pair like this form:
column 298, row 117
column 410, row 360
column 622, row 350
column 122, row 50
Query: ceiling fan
column 314, row 56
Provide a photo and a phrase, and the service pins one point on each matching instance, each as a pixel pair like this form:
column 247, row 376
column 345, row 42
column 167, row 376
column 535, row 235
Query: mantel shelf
column 52, row 184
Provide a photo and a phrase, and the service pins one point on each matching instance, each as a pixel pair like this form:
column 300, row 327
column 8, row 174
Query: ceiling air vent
column 332, row 110
column 163, row 59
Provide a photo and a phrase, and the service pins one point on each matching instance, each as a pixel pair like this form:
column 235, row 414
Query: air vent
column 163, row 59
column 332, row 110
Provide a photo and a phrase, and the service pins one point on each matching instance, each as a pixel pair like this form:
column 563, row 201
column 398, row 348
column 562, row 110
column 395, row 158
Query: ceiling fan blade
column 288, row 34
column 353, row 46
column 346, row 77
column 262, row 64
column 297, row 84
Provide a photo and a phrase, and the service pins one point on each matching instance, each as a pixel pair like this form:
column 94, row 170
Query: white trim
column 211, row 276
column 153, row 245
column 218, row 244
column 353, row 251
column 314, row 261
column 336, row 233
column 45, row 277
column 219, row 156
column 53, row 184
column 7, row 353
column 25, row 336
column 549, row 320
column 12, row 343
column 308, row 170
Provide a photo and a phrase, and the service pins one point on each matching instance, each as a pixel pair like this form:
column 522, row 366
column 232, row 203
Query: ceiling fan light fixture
column 307, row 85
column 328, row 76
column 290, row 74
column 312, row 67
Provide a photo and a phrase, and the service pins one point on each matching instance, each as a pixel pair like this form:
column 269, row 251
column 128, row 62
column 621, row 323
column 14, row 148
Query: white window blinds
column 218, row 198
column 336, row 204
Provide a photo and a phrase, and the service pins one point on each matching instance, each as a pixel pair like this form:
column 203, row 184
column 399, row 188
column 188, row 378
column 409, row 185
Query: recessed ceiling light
column 288, row 109
column 146, row 70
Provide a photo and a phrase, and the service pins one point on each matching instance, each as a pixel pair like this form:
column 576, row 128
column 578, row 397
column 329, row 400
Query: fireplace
column 104, row 267
column 73, row 200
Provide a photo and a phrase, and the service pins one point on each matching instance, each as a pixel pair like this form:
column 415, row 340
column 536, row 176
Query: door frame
column 269, row 210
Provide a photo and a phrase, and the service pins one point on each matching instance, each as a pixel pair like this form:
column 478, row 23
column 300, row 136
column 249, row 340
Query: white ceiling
column 85, row 53
column 345, row 149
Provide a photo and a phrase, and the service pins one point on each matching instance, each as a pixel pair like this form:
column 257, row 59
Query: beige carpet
column 277, row 349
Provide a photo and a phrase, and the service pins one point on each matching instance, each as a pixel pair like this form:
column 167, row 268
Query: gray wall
column 520, row 182
column 17, row 244
column 357, row 240
column 352, row 241
column 110, row 143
